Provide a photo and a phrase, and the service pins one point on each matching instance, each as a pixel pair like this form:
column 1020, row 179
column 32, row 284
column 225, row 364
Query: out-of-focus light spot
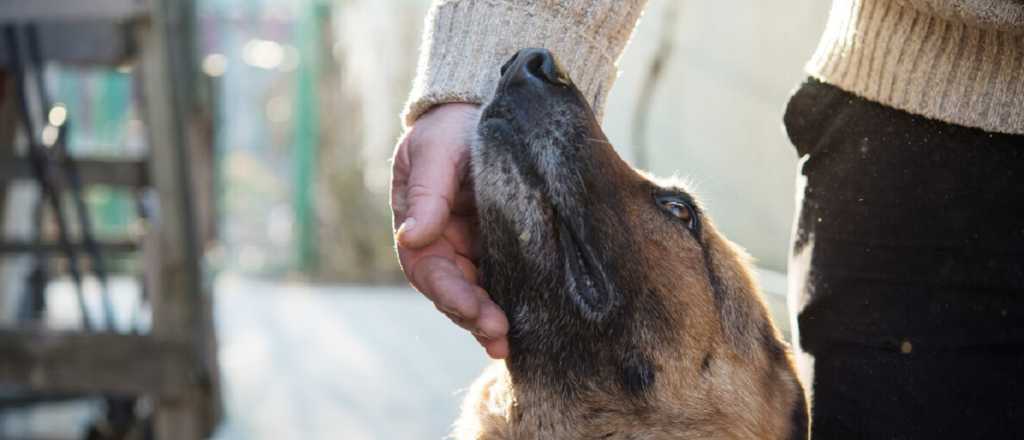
column 136, row 228
column 376, row 178
column 58, row 114
column 240, row 165
column 906, row 347
column 215, row 255
column 135, row 127
column 215, row 64
column 49, row 135
column 290, row 61
column 252, row 258
column 279, row 109
column 338, row 50
column 125, row 68
column 280, row 224
column 264, row 54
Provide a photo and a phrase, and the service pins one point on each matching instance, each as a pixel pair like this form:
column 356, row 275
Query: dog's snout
column 529, row 65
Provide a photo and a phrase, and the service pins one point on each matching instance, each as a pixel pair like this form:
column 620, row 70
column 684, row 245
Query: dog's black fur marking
column 705, row 365
column 637, row 374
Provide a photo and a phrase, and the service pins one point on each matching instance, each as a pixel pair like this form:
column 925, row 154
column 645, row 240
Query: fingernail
column 406, row 226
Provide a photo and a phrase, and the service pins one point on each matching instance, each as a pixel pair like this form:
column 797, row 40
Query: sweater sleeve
column 999, row 15
column 465, row 42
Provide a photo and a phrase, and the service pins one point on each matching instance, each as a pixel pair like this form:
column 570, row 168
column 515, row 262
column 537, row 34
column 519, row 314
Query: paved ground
column 347, row 362
column 338, row 362
column 305, row 362
column 308, row 362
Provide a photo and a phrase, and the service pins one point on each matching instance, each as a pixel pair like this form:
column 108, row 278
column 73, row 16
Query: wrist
column 448, row 108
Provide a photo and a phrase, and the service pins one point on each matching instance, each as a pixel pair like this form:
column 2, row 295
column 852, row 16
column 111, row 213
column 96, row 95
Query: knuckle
column 453, row 317
column 418, row 191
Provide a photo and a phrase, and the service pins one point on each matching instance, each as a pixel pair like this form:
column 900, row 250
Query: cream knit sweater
column 960, row 62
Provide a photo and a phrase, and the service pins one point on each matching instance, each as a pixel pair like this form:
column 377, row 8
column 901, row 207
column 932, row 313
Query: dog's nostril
column 535, row 66
column 542, row 65
column 535, row 63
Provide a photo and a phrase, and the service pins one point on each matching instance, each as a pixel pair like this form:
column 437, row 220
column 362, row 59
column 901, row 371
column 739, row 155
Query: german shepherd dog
column 631, row 316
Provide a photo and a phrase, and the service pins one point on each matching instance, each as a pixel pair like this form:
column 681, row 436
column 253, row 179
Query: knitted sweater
column 960, row 62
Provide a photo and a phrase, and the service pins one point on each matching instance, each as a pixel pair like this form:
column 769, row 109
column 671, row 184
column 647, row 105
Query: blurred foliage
column 367, row 86
column 361, row 55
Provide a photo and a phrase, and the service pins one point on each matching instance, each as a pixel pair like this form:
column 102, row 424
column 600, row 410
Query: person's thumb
column 429, row 193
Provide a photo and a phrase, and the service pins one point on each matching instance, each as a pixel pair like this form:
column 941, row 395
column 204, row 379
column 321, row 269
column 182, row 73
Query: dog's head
column 611, row 280
column 618, row 288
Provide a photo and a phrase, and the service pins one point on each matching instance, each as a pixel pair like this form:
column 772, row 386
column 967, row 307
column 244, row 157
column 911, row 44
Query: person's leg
column 908, row 271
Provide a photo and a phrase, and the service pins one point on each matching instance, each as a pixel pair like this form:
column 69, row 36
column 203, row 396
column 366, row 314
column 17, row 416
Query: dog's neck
column 552, row 348
column 570, row 378
column 538, row 410
column 541, row 411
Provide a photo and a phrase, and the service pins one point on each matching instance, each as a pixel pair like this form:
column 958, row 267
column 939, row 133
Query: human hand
column 435, row 221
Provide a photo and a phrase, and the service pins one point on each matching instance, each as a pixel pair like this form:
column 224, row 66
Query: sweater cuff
column 466, row 42
column 924, row 64
column 996, row 15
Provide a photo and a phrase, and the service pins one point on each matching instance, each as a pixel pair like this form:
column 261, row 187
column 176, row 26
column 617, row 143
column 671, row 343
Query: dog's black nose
column 532, row 65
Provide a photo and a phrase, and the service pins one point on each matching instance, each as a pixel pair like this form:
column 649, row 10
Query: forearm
column 466, row 41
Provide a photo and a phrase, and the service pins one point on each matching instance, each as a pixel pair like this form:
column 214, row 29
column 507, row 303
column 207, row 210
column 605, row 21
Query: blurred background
column 279, row 117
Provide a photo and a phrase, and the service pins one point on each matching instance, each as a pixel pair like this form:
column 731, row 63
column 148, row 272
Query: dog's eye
column 680, row 209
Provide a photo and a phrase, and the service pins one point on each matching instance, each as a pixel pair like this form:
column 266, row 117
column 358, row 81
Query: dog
column 630, row 316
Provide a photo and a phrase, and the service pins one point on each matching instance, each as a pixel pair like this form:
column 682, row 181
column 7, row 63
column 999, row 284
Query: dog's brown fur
column 668, row 340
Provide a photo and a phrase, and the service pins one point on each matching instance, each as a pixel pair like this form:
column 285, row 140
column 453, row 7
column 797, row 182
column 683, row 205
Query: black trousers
column 908, row 253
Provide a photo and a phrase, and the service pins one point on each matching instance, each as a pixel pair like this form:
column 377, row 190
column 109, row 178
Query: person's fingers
column 457, row 320
column 399, row 182
column 408, row 258
column 496, row 348
column 461, row 232
column 441, row 280
column 491, row 321
column 429, row 195
column 443, row 248
column 468, row 269
column 434, row 217
column 452, row 289
column 490, row 326
column 464, row 203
